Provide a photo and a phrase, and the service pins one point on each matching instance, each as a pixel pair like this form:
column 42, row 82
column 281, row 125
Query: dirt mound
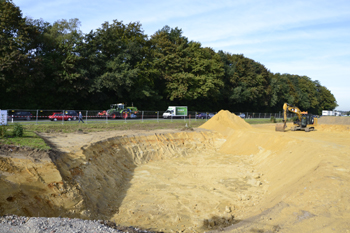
column 224, row 122
column 306, row 176
column 334, row 120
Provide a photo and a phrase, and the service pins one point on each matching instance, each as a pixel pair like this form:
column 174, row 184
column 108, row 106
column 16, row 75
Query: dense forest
column 55, row 66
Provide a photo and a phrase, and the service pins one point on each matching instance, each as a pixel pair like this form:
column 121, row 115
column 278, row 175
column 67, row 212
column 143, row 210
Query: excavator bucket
column 280, row 127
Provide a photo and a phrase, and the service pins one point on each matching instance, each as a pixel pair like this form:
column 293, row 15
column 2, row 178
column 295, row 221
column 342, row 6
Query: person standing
column 80, row 117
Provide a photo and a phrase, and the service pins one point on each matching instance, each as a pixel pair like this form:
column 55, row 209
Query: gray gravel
column 20, row 224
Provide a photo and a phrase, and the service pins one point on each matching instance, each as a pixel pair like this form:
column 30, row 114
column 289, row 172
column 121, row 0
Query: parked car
column 242, row 115
column 58, row 116
column 74, row 115
column 204, row 115
column 22, row 115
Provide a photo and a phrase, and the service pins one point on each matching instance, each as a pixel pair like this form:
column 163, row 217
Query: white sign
column 3, row 117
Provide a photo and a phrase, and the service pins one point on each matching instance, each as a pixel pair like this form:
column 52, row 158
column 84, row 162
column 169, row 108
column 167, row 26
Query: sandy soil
column 224, row 176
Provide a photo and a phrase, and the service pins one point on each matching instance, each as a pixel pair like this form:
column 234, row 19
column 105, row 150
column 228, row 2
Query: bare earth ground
column 224, row 176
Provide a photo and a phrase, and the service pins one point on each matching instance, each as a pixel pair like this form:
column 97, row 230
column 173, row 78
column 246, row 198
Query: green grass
column 70, row 127
column 30, row 139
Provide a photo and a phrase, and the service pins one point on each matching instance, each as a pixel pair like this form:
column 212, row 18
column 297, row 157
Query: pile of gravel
column 20, row 224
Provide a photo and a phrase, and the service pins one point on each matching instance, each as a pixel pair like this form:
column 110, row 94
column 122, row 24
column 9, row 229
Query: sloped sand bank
column 226, row 175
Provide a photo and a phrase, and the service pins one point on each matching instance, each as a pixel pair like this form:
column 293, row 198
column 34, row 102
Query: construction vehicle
column 120, row 111
column 305, row 121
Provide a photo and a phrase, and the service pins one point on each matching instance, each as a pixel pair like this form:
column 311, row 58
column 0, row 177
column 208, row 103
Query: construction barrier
column 88, row 115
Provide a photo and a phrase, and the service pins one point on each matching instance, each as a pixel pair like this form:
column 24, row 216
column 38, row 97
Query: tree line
column 55, row 66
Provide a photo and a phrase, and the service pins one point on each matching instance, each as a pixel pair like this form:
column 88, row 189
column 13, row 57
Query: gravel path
column 20, row 224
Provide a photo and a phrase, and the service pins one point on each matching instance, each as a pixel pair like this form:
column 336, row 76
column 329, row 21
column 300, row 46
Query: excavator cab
column 306, row 119
column 117, row 107
column 306, row 123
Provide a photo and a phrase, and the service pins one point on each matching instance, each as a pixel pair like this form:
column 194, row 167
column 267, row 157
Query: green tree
column 186, row 70
column 56, row 66
column 60, row 57
column 247, row 83
column 14, row 38
column 16, row 53
column 123, row 55
column 302, row 92
column 327, row 100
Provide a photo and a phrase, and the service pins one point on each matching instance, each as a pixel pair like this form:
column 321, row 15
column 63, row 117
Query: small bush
column 295, row 118
column 3, row 131
column 17, row 130
column 273, row 119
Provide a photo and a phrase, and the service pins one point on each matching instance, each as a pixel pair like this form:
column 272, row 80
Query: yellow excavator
column 304, row 122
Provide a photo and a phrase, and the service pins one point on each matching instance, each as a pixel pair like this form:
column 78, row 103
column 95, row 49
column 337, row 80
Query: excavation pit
column 225, row 175
column 176, row 181
column 169, row 181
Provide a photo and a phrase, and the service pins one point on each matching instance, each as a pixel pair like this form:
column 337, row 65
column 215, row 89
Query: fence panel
column 38, row 116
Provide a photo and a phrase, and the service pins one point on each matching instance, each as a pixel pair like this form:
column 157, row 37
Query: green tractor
column 120, row 111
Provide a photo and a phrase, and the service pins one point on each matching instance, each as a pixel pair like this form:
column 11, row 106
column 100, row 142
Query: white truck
column 331, row 113
column 327, row 113
column 175, row 111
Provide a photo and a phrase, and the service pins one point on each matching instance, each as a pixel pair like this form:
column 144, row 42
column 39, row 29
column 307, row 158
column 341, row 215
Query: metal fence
column 30, row 116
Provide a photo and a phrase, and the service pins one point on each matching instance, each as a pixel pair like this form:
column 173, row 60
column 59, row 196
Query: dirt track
column 224, row 174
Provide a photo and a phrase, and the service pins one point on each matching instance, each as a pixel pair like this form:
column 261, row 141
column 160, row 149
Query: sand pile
column 305, row 175
column 225, row 122
column 334, row 120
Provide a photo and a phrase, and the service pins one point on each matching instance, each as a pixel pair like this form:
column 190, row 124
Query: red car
column 58, row 116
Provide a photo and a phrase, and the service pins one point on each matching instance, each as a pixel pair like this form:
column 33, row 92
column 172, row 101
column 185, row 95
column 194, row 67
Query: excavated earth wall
column 224, row 176
column 334, row 120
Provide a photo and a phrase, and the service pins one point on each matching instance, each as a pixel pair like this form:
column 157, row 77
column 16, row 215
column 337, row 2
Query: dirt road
column 226, row 175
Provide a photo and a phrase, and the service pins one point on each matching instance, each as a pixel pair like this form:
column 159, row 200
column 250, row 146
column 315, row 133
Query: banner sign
column 3, row 117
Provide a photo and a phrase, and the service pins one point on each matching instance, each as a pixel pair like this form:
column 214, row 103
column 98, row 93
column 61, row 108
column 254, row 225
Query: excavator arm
column 290, row 108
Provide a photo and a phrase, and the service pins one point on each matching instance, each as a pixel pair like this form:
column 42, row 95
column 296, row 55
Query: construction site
column 225, row 175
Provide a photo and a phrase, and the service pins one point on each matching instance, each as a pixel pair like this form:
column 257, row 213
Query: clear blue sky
column 309, row 37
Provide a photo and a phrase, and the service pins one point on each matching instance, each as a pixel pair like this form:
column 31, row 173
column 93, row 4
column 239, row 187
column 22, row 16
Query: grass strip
column 29, row 139
column 32, row 140
column 70, row 127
